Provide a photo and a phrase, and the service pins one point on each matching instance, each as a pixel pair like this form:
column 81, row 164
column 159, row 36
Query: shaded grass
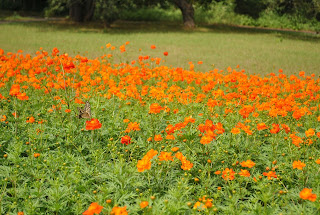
column 255, row 50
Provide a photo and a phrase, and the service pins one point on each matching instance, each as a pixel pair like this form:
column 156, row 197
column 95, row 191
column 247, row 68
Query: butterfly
column 85, row 112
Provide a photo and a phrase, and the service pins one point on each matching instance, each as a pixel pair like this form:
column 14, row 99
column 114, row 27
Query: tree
column 81, row 11
column 187, row 11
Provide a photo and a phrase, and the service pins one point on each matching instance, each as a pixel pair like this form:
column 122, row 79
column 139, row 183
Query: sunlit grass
column 256, row 51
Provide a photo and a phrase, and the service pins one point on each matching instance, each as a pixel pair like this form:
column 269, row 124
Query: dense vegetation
column 89, row 136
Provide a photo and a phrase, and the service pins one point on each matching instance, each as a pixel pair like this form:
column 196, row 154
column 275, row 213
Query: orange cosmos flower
column 93, row 124
column 174, row 149
column 22, row 96
column 36, row 155
column 143, row 164
column 270, row 175
column 170, row 137
column 126, row 140
column 318, row 161
column 157, row 137
column 151, row 153
column 165, row 53
column 244, row 173
column 307, row 194
column 275, row 128
column 3, row 118
column 310, row 132
column 67, row 110
column 165, row 156
column 122, row 48
column 133, row 126
column 206, row 139
column 30, row 120
column 235, row 131
column 119, row 211
column 186, row 165
column 298, row 165
column 20, row 213
column 15, row 90
column 228, row 174
column 218, row 172
column 155, row 108
column 94, row 208
column 144, row 204
column 152, row 46
column 261, row 126
column 248, row 163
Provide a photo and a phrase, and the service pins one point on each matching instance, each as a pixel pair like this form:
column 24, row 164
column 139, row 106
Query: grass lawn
column 256, row 51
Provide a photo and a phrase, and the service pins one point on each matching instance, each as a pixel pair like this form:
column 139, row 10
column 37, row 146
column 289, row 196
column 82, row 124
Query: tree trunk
column 89, row 10
column 82, row 11
column 76, row 12
column 187, row 12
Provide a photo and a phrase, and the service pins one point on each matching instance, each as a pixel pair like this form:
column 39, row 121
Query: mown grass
column 218, row 46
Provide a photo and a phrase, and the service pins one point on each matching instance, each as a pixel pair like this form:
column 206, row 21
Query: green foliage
column 110, row 11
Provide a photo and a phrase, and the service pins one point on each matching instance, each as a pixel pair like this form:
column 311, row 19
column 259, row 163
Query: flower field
column 98, row 136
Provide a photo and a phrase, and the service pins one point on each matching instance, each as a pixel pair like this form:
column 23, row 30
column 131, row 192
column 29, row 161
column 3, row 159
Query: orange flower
column 206, row 139
column 270, row 175
column 170, row 137
column 310, row 132
column 248, row 163
column 67, row 110
column 3, row 118
column 119, row 211
column 151, row 153
column 165, row 53
column 126, row 140
column 235, row 131
column 307, row 194
column 261, row 126
column 275, row 128
column 165, row 156
column 20, row 213
column 30, row 120
column 155, row 108
column 186, row 165
column 218, row 172
column 143, row 164
column 93, row 124
column 157, row 137
column 244, row 173
column 36, row 155
column 153, row 47
column 298, row 165
column 144, row 204
column 122, row 48
column 318, row 161
column 94, row 208
column 286, row 128
column 15, row 90
column 174, row 149
column 133, row 126
column 228, row 174
column 22, row 96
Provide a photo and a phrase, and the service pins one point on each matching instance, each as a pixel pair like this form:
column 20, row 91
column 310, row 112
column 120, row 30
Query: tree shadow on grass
column 127, row 27
column 281, row 33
